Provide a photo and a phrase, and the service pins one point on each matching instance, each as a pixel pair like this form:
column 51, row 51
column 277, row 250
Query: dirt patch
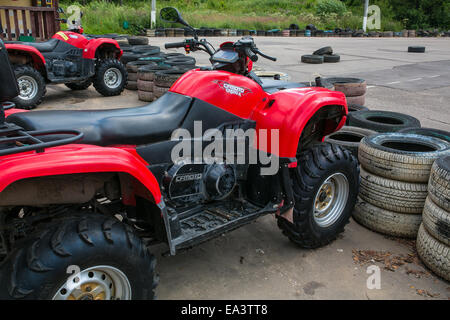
column 310, row 287
column 390, row 261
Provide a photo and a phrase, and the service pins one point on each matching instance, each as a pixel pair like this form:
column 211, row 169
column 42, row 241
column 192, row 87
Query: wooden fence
column 39, row 22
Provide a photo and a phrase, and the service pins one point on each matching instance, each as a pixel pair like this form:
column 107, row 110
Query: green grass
column 106, row 17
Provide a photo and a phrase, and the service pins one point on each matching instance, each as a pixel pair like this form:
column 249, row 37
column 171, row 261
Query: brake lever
column 264, row 55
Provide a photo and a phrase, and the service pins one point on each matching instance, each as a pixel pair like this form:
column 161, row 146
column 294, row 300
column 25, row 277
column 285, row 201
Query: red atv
column 69, row 58
column 83, row 194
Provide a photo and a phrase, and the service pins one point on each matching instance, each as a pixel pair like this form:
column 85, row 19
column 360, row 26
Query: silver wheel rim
column 96, row 283
column 28, row 87
column 331, row 199
column 113, row 78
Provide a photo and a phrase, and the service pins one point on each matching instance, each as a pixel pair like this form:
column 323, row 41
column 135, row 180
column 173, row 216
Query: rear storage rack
column 14, row 139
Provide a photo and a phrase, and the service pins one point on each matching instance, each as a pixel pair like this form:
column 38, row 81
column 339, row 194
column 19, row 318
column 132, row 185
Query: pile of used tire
column 433, row 240
column 321, row 55
column 355, row 89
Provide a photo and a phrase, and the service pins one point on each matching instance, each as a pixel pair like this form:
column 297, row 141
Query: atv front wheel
column 31, row 87
column 83, row 257
column 110, row 77
column 79, row 85
column 325, row 186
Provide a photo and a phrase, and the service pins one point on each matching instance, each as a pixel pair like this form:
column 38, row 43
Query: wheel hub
column 96, row 283
column 331, row 199
column 28, row 87
column 113, row 78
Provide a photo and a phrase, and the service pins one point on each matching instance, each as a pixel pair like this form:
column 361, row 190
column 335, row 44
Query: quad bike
column 69, row 58
column 83, row 194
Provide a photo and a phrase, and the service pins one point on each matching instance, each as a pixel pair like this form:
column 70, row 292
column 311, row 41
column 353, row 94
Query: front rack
column 14, row 139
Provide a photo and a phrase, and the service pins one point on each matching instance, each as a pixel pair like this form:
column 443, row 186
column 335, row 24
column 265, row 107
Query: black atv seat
column 139, row 125
column 46, row 46
column 271, row 85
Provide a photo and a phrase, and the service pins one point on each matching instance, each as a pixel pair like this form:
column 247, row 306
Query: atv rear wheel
column 110, row 77
column 81, row 257
column 31, row 87
column 325, row 186
column 79, row 85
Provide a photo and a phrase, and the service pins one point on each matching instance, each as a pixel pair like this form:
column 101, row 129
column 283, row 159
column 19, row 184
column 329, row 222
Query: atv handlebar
column 175, row 45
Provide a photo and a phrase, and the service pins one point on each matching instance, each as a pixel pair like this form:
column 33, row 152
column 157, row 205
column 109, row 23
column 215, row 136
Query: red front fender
column 94, row 44
column 38, row 58
column 291, row 111
column 77, row 158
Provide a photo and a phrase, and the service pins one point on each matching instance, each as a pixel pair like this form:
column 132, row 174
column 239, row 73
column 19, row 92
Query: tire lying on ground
column 146, row 96
column 132, row 76
column 137, row 40
column 148, row 72
column 351, row 87
column 387, row 222
column 324, row 50
column 331, row 58
column 135, row 65
column 400, row 156
column 382, row 121
column 159, row 91
column 439, row 183
column 129, row 57
column 181, row 61
column 437, row 221
column 167, row 78
column 349, row 138
column 416, row 49
column 392, row 195
column 435, row 254
column 313, row 59
column 131, row 85
column 361, row 100
column 144, row 85
column 146, row 50
column 356, row 108
column 429, row 132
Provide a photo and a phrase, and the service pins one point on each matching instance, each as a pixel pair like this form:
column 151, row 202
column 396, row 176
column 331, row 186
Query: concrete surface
column 256, row 261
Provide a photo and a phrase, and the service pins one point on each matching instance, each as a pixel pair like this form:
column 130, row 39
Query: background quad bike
column 35, row 69
column 111, row 254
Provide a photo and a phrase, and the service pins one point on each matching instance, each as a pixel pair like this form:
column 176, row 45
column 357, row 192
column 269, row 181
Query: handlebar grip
column 251, row 54
column 174, row 45
column 266, row 56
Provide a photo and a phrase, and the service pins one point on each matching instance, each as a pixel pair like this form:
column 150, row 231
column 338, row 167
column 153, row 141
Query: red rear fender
column 71, row 159
column 36, row 56
column 291, row 110
column 98, row 44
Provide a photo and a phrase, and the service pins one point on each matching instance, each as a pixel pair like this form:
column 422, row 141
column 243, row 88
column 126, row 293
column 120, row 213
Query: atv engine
column 63, row 68
column 187, row 184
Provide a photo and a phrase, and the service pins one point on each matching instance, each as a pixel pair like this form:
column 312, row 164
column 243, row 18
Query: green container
column 27, row 39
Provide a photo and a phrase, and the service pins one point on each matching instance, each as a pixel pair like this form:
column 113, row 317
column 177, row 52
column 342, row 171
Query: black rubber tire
column 172, row 55
column 99, row 83
column 429, row 132
column 134, row 66
column 382, row 121
column 360, row 100
column 437, row 221
column 132, row 76
column 315, row 166
column 356, row 108
column 181, row 61
column 392, row 195
column 351, row 87
column 26, row 70
column 131, row 85
column 331, row 58
column 79, row 85
column 416, row 49
column 435, row 254
column 159, row 91
column 313, row 59
column 439, row 183
column 128, row 57
column 37, row 267
column 146, row 96
column 387, row 222
column 324, row 50
column 167, row 78
column 146, row 50
column 135, row 41
column 143, row 85
column 349, row 138
column 387, row 155
column 148, row 72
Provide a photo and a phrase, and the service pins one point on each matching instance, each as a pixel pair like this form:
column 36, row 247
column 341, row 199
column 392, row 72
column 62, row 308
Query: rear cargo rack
column 14, row 139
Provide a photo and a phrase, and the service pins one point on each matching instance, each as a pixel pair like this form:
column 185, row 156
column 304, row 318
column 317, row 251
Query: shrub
column 325, row 7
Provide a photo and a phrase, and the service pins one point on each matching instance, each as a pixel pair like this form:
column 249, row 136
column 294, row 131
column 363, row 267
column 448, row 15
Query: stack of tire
column 164, row 79
column 146, row 78
column 433, row 240
column 132, row 68
column 355, row 89
column 395, row 169
column 321, row 55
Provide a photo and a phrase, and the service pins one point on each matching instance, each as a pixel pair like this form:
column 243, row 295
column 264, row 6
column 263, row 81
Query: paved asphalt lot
column 256, row 261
